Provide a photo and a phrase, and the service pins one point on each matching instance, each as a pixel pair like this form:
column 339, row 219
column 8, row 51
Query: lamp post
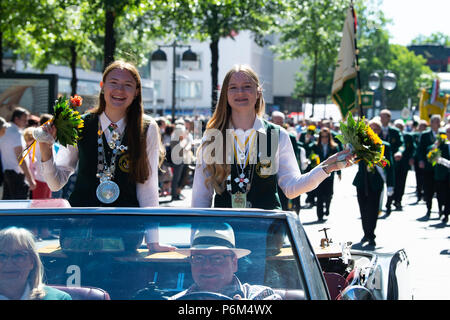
column 388, row 82
column 159, row 61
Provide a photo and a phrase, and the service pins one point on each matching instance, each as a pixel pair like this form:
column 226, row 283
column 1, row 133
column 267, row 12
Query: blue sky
column 414, row 17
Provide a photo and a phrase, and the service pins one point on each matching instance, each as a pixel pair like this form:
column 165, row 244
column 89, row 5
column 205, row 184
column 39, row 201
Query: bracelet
column 324, row 169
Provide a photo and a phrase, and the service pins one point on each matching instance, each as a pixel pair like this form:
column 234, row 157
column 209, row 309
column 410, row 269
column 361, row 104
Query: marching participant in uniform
column 426, row 140
column 404, row 165
column 244, row 158
column 369, row 187
column 395, row 138
column 419, row 171
column 118, row 152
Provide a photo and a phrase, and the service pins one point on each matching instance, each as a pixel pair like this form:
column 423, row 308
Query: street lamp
column 389, row 82
column 159, row 61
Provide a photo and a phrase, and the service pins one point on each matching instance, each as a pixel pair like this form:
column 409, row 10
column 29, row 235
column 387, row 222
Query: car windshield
column 109, row 252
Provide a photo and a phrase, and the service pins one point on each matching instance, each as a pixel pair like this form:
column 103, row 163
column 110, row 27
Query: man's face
column 385, row 118
column 422, row 127
column 399, row 127
column 435, row 124
column 21, row 121
column 213, row 269
column 278, row 120
column 376, row 128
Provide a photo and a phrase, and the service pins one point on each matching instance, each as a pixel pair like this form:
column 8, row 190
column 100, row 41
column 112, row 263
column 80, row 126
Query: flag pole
column 358, row 76
column 358, row 91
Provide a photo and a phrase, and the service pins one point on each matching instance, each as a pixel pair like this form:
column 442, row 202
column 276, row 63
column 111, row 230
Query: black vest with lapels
column 84, row 193
column 263, row 193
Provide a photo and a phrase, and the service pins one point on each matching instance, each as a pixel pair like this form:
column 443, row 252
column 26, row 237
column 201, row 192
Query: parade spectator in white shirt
column 18, row 178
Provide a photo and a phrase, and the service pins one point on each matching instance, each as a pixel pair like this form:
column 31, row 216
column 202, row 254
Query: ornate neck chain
column 105, row 171
column 242, row 181
column 108, row 191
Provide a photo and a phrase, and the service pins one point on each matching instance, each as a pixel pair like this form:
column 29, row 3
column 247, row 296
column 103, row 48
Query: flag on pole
column 434, row 91
column 343, row 92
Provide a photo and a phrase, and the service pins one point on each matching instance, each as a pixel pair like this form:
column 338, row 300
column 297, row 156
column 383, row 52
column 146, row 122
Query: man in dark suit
column 406, row 162
column 442, row 176
column 426, row 140
column 369, row 185
column 307, row 140
column 394, row 137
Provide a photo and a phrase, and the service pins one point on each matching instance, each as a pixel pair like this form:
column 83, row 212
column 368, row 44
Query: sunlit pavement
column 427, row 242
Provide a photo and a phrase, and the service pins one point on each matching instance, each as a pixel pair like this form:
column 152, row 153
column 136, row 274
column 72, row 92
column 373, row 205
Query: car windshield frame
column 296, row 239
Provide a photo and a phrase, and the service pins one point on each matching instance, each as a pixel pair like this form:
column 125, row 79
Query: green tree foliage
column 78, row 33
column 61, row 36
column 312, row 29
column 211, row 20
column 438, row 38
column 14, row 16
column 377, row 54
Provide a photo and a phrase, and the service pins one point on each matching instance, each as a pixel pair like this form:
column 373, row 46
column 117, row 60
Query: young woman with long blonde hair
column 244, row 158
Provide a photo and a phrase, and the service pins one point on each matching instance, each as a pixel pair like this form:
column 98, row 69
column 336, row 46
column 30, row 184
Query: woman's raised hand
column 338, row 161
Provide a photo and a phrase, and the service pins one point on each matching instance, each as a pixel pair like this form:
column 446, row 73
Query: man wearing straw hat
column 214, row 261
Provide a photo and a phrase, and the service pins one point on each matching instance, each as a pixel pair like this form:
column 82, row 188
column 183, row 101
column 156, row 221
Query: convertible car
column 100, row 253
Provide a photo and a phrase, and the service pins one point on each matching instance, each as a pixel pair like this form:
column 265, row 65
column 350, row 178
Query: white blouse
column 57, row 172
column 290, row 180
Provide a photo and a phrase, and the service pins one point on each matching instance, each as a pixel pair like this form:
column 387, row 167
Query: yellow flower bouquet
column 314, row 160
column 363, row 142
column 433, row 155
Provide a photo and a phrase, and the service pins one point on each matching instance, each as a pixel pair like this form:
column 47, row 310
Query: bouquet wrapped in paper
column 363, row 142
column 67, row 121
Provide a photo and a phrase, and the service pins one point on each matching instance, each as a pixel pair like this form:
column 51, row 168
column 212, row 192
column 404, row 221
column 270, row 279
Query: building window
column 189, row 89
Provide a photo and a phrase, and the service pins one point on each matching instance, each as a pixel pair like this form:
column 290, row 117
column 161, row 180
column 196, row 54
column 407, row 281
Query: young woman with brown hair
column 325, row 147
column 119, row 150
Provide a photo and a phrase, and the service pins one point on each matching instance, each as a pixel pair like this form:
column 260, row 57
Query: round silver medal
column 108, row 191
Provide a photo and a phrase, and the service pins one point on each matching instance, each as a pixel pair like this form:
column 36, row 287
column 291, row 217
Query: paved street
column 427, row 243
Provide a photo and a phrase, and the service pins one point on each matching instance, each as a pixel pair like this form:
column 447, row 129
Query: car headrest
column 84, row 293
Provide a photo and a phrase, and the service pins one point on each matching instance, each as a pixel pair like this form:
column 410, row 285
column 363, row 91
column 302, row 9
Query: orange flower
column 76, row 101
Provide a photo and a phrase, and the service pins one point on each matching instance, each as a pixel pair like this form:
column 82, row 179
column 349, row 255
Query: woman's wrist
column 326, row 169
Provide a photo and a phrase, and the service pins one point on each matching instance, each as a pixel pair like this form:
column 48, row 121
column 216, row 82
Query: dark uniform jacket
column 395, row 139
column 426, row 140
column 374, row 179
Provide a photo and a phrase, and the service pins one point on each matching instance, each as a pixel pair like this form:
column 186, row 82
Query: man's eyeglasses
column 215, row 259
column 324, row 136
column 17, row 257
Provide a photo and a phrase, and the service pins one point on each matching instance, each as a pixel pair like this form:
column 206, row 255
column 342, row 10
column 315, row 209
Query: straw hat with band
column 214, row 237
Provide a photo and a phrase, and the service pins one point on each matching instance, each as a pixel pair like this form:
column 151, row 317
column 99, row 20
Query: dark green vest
column 84, row 193
column 263, row 193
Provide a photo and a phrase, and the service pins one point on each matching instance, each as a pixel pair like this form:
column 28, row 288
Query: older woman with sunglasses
column 21, row 270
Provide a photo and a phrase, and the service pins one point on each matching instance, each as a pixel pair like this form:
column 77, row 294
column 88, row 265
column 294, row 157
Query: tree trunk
column 110, row 41
column 313, row 98
column 1, row 52
column 214, row 46
column 73, row 67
